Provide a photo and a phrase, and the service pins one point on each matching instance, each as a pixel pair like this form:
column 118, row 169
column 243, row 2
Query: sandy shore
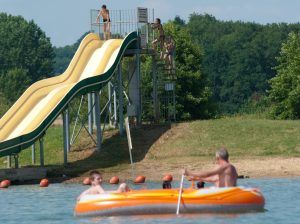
column 252, row 168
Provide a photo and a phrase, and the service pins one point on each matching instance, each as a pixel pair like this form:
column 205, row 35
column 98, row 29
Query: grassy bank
column 169, row 148
column 243, row 136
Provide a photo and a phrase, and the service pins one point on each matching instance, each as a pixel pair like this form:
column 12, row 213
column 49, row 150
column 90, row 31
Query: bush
column 24, row 51
column 285, row 86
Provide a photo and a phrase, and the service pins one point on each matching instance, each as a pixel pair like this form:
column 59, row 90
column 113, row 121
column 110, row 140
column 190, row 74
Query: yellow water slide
column 91, row 67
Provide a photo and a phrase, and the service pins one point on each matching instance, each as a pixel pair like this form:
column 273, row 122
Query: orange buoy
column 140, row 180
column 168, row 178
column 86, row 181
column 4, row 184
column 44, row 183
column 9, row 182
column 114, row 180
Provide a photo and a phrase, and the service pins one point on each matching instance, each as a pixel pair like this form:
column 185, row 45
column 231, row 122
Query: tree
column 238, row 57
column 4, row 105
column 179, row 21
column 63, row 55
column 285, row 86
column 24, row 50
column 193, row 93
column 14, row 79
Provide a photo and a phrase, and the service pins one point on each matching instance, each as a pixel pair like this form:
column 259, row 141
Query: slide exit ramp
column 92, row 66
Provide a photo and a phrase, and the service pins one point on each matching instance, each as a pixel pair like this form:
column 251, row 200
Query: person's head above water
column 222, row 154
column 103, row 7
column 200, row 184
column 95, row 177
column 166, row 185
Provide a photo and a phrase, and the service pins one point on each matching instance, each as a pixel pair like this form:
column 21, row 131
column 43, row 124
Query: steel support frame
column 33, row 159
column 139, row 103
column 66, row 134
column 41, row 141
column 112, row 104
column 82, row 121
column 90, row 113
column 115, row 107
column 110, row 116
column 8, row 164
column 97, row 115
column 155, row 100
column 16, row 158
column 120, row 95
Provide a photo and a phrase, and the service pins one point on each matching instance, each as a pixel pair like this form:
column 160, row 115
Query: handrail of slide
column 36, row 91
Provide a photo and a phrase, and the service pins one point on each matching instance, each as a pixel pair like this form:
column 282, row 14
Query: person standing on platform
column 104, row 13
column 161, row 39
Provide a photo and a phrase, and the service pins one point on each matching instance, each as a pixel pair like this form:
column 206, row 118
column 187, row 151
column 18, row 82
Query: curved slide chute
column 91, row 68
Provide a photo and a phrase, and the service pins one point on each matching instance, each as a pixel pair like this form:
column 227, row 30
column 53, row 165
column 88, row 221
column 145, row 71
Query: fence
column 123, row 22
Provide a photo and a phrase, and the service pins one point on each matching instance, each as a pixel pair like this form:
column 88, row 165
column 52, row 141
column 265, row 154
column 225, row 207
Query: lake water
column 35, row 205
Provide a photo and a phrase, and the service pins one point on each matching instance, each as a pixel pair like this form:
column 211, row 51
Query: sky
column 64, row 21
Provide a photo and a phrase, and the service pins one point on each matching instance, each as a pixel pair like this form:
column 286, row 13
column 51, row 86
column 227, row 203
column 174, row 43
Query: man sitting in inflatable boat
column 96, row 188
column 223, row 175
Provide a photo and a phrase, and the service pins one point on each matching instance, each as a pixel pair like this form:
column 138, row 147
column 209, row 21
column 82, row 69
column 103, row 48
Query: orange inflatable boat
column 164, row 201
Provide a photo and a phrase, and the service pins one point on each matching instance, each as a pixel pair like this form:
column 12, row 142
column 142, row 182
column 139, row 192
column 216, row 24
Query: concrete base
column 23, row 174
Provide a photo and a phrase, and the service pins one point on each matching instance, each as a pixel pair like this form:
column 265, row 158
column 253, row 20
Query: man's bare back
column 228, row 177
column 223, row 175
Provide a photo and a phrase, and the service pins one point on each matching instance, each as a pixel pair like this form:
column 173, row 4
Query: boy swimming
column 96, row 188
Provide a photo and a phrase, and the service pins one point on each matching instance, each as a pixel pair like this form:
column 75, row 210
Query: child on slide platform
column 161, row 38
column 104, row 13
column 169, row 51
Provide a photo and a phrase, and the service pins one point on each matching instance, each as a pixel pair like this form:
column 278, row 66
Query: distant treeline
column 223, row 67
column 238, row 57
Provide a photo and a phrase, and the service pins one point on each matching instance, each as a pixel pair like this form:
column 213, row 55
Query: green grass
column 53, row 150
column 114, row 153
column 244, row 136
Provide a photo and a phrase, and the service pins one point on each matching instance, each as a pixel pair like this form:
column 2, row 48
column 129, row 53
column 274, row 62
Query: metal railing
column 123, row 22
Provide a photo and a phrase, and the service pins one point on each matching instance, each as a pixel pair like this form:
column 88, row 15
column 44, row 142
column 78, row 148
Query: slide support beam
column 16, row 157
column 154, row 78
column 41, row 140
column 115, row 107
column 90, row 113
column 109, row 86
column 33, row 154
column 98, row 120
column 120, row 92
column 8, row 162
column 139, row 103
column 66, row 134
